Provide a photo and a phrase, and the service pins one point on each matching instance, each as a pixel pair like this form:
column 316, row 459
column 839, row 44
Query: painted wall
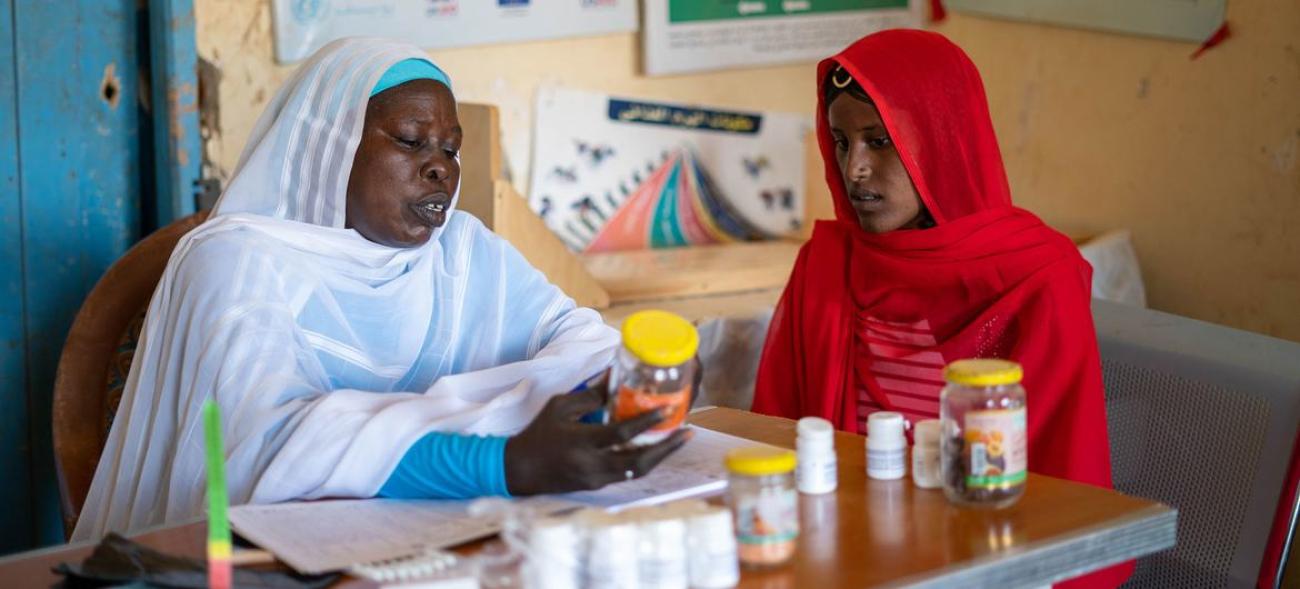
column 1198, row 158
column 1201, row 159
column 236, row 35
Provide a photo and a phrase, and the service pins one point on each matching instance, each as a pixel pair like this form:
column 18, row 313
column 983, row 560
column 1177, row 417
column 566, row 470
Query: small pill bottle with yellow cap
column 765, row 504
column 984, row 451
column 655, row 371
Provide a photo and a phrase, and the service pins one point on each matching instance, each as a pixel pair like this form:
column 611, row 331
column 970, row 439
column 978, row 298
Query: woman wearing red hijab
column 928, row 262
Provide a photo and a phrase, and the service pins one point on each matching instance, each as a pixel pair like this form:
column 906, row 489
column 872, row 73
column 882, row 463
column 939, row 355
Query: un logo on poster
column 305, row 11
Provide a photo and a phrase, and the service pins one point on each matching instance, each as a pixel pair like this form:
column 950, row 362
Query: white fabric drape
column 328, row 354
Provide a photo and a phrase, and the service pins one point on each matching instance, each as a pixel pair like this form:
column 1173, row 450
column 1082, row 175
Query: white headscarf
column 328, row 354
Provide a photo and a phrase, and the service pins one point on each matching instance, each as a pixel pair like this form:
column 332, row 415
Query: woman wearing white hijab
column 360, row 336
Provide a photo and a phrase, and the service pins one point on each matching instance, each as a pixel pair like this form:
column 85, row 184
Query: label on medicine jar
column 816, row 475
column 767, row 517
column 887, row 463
column 997, row 444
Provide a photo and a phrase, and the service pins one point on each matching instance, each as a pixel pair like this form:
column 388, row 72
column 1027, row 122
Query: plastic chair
column 1203, row 418
column 97, row 357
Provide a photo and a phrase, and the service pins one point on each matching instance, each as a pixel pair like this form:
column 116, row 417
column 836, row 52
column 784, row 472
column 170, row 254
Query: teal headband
column 410, row 69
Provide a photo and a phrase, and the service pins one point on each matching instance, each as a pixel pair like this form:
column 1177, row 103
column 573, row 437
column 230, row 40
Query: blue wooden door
column 77, row 120
column 15, row 488
column 76, row 153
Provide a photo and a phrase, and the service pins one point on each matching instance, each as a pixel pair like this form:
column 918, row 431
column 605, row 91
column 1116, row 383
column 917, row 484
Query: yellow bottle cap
column 760, row 461
column 660, row 338
column 983, row 373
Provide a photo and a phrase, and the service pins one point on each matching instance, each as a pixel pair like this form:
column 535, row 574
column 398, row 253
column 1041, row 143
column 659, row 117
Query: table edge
column 90, row 544
column 1131, row 536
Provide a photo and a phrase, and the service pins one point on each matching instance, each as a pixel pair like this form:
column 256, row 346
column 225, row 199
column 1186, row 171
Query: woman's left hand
column 557, row 453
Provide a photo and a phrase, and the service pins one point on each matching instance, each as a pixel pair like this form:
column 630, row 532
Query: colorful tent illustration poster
column 612, row 173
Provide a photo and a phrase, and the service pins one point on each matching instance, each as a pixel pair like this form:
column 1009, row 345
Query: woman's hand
column 557, row 454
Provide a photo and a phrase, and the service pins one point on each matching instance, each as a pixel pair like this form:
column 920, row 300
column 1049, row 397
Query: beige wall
column 1198, row 158
column 1201, row 159
column 236, row 34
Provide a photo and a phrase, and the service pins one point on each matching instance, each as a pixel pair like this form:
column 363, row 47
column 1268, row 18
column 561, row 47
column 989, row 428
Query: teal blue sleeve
column 450, row 466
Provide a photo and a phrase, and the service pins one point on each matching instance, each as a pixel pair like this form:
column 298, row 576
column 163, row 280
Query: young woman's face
column 405, row 171
column 878, row 186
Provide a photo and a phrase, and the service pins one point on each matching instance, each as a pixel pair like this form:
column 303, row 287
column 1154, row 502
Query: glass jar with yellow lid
column 655, row 371
column 764, row 503
column 984, row 452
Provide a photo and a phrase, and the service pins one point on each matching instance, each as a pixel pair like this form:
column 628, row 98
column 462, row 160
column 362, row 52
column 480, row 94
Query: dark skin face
column 877, row 183
column 405, row 171
column 400, row 190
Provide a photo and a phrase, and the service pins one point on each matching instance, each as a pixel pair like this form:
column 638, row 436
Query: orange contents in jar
column 632, row 402
column 764, row 504
column 764, row 555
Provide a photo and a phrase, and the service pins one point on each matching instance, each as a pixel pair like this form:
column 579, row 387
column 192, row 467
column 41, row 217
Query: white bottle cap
column 610, row 538
column 664, row 556
column 926, row 433
column 553, row 557
column 664, row 535
column 712, row 528
column 815, row 428
column 609, row 563
column 554, row 539
column 815, row 433
column 885, row 430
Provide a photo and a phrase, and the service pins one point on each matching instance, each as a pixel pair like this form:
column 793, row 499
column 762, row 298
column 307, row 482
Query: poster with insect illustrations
column 613, row 173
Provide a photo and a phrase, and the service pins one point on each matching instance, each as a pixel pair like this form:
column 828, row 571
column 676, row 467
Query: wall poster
column 684, row 36
column 303, row 26
column 1184, row 20
column 616, row 173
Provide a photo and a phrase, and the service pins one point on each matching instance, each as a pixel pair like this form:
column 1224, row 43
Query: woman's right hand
column 558, row 454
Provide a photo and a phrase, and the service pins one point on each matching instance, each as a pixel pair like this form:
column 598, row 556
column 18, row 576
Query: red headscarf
column 869, row 320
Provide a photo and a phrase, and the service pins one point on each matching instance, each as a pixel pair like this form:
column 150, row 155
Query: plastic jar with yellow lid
column 765, row 504
column 984, row 451
column 655, row 371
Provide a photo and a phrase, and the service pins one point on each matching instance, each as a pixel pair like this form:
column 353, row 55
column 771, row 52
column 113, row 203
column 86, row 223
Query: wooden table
column 868, row 533
column 892, row 534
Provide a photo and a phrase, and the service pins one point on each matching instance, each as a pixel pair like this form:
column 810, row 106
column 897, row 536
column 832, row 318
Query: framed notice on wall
column 303, row 26
column 1185, row 20
column 696, row 35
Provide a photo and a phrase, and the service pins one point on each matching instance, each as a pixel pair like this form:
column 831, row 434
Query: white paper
column 320, row 536
column 303, row 26
column 696, row 470
column 1116, row 274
